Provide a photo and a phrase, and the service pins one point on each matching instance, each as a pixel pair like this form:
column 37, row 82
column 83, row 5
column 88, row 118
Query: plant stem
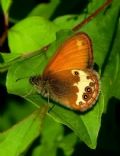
column 89, row 18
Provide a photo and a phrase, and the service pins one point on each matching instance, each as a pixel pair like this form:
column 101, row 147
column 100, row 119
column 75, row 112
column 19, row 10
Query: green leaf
column 14, row 109
column 68, row 21
column 40, row 10
column 67, row 144
column 24, row 38
column 31, row 34
column 111, row 72
column 86, row 125
column 51, row 136
column 6, row 5
column 17, row 139
column 6, row 59
column 55, row 141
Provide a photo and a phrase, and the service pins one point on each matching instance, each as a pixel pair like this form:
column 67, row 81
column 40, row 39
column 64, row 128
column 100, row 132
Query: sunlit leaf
column 16, row 140
column 6, row 5
column 31, row 34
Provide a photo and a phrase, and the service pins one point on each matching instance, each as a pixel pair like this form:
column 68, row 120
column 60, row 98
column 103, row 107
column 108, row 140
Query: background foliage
column 27, row 128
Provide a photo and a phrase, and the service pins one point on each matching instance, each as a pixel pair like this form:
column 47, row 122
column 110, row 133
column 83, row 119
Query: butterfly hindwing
column 78, row 89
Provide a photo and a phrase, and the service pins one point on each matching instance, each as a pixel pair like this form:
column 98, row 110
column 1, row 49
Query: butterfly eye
column 34, row 80
column 88, row 89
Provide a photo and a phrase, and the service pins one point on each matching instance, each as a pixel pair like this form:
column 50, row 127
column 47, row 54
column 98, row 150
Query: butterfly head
column 40, row 84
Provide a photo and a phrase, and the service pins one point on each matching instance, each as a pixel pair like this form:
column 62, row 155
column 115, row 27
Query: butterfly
column 69, row 78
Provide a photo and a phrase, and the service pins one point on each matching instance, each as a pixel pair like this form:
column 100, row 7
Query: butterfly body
column 69, row 78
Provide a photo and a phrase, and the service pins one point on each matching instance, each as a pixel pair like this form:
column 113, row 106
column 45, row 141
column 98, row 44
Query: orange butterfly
column 69, row 78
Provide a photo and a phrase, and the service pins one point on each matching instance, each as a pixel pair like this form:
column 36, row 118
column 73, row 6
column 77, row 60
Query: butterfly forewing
column 74, row 53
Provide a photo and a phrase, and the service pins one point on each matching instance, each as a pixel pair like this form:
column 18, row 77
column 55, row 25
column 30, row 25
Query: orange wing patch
column 66, row 58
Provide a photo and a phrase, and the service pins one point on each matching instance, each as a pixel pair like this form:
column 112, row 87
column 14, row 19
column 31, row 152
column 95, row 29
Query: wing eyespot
column 85, row 97
column 80, row 102
column 76, row 73
column 88, row 89
column 91, row 84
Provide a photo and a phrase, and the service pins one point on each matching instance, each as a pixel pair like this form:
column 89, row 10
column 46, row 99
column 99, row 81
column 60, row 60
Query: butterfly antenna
column 22, row 78
column 89, row 18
